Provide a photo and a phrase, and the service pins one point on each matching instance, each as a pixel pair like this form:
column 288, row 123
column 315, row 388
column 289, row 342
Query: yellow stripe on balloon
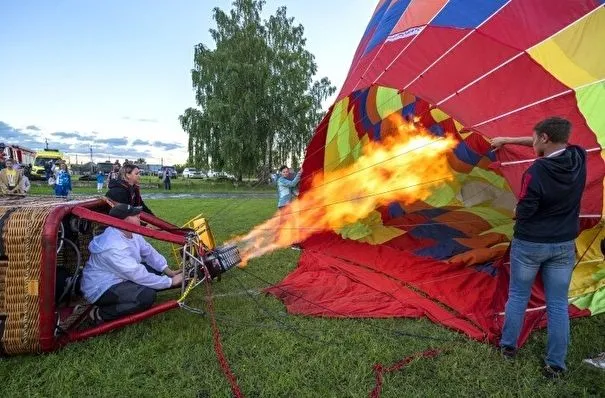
column 388, row 101
column 575, row 56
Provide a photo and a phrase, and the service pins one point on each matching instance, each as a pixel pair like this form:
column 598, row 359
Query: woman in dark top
column 126, row 188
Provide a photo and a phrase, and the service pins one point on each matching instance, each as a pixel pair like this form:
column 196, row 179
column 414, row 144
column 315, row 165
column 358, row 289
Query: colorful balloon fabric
column 475, row 69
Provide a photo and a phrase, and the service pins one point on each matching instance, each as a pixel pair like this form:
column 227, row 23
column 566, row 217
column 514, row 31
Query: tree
column 197, row 125
column 140, row 161
column 257, row 103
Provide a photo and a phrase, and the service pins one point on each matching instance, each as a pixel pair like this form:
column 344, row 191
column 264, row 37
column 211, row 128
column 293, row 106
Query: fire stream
column 405, row 167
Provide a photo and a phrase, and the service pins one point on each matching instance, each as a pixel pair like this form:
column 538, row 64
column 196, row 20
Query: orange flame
column 405, row 167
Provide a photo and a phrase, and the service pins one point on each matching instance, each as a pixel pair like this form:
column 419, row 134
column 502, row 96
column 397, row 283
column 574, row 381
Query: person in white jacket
column 115, row 279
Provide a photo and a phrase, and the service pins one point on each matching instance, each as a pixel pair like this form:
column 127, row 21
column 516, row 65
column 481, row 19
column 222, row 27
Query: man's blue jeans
column 556, row 261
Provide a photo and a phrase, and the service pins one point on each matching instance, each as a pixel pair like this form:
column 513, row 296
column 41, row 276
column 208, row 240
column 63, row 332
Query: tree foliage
column 257, row 102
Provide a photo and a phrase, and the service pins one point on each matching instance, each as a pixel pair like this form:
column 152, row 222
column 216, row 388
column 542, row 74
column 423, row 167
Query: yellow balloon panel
column 388, row 101
column 590, row 259
column 575, row 55
column 342, row 143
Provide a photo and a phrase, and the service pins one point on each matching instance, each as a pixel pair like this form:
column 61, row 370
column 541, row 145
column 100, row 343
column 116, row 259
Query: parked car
column 191, row 173
column 88, row 177
column 220, row 175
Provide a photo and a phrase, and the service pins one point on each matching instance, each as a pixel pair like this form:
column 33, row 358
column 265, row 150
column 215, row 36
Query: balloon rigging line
column 269, row 312
column 361, row 320
column 404, row 49
column 358, row 198
column 474, row 30
column 338, row 178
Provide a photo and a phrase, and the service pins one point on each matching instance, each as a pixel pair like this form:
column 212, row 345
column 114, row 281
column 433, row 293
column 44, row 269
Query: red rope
column 218, row 347
column 380, row 369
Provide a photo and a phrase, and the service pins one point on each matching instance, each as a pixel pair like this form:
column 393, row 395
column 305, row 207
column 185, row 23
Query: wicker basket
column 31, row 230
column 28, row 235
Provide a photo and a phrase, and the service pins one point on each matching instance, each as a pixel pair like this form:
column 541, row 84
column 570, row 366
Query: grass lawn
column 274, row 354
column 152, row 184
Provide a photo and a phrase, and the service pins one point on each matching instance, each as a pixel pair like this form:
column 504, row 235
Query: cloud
column 75, row 134
column 11, row 135
column 104, row 152
column 142, row 120
column 123, row 153
column 167, row 146
column 32, row 127
column 67, row 148
column 102, row 148
column 112, row 141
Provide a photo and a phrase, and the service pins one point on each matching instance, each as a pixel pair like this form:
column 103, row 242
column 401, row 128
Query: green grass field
column 152, row 184
column 274, row 354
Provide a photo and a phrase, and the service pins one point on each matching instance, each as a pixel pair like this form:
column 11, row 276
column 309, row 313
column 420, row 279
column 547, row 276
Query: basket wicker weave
column 21, row 229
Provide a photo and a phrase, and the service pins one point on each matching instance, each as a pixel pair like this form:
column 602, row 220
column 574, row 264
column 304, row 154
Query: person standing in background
column 126, row 188
column 25, row 184
column 10, row 179
column 114, row 174
column 2, row 159
column 286, row 186
column 63, row 181
column 167, row 184
column 100, row 181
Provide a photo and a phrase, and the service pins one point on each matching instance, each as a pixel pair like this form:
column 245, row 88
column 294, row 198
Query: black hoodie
column 122, row 192
column 549, row 203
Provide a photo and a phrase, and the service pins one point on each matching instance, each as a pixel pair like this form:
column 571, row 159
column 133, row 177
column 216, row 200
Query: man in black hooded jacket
column 547, row 224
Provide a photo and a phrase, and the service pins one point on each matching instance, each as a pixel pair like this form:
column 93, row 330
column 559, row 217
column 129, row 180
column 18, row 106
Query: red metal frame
column 119, row 323
column 48, row 266
column 91, row 215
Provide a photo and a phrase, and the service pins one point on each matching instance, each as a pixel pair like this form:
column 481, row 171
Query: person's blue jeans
column 556, row 262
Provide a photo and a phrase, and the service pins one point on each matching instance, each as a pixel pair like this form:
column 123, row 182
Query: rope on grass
column 380, row 369
column 218, row 346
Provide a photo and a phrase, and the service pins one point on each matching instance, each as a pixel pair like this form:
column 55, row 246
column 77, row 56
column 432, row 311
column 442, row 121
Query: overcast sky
column 115, row 74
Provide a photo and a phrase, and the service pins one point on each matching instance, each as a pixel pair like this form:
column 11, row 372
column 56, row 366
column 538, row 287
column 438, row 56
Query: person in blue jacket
column 100, row 181
column 287, row 191
column 63, row 181
column 286, row 186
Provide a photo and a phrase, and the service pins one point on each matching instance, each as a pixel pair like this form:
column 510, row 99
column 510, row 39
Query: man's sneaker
column 598, row 361
column 91, row 320
column 553, row 372
column 508, row 353
column 94, row 316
